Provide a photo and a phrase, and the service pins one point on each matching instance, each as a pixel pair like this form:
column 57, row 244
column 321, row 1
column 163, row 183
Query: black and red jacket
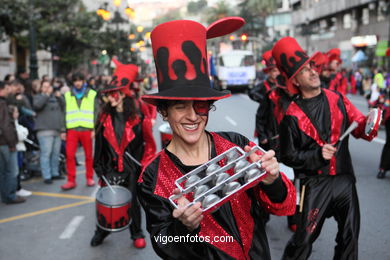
column 309, row 124
column 259, row 92
column 269, row 115
column 136, row 139
column 338, row 82
column 240, row 218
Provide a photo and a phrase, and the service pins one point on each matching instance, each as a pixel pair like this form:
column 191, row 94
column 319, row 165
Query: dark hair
column 130, row 110
column 2, row 85
column 77, row 76
column 8, row 76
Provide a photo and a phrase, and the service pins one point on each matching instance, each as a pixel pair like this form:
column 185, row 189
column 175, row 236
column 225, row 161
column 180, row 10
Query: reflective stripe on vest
column 80, row 116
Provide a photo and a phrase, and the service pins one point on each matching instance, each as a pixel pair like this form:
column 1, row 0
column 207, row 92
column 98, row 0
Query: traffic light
column 244, row 37
column 231, row 37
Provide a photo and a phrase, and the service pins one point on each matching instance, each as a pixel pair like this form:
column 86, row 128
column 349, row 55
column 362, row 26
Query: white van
column 236, row 69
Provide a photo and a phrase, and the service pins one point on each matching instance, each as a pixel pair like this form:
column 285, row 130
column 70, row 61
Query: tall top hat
column 123, row 77
column 269, row 61
column 179, row 50
column 334, row 54
column 290, row 59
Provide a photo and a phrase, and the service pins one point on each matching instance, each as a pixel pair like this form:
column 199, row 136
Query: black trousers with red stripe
column 327, row 196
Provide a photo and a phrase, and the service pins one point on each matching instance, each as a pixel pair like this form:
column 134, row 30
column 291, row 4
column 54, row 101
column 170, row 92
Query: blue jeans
column 8, row 172
column 50, row 146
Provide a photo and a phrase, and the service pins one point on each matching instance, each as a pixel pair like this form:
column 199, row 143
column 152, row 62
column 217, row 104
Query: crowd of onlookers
column 32, row 116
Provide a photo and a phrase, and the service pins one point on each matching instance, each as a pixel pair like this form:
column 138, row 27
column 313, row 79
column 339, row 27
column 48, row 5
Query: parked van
column 235, row 70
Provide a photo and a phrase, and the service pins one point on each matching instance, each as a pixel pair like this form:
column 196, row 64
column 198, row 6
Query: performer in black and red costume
column 309, row 134
column 184, row 100
column 259, row 92
column 125, row 126
column 272, row 107
column 336, row 81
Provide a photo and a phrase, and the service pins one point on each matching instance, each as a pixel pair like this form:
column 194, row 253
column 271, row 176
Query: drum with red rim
column 113, row 208
column 373, row 121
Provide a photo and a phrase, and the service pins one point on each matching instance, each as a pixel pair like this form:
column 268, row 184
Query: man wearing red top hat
column 184, row 100
column 309, row 134
column 124, row 127
column 337, row 81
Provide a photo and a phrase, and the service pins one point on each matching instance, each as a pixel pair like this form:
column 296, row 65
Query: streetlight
column 33, row 43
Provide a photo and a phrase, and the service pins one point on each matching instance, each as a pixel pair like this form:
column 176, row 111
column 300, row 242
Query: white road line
column 231, row 121
column 71, row 228
column 379, row 140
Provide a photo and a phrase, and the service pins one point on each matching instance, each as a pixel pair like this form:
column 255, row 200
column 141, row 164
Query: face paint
column 114, row 94
column 201, row 107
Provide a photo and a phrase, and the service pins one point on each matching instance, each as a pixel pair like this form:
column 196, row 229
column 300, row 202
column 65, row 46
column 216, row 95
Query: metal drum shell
column 115, row 212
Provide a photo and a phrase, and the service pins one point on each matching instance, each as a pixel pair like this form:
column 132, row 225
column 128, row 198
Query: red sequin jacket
column 241, row 218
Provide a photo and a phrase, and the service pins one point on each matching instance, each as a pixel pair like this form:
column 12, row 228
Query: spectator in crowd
column 80, row 108
column 8, row 156
column 49, row 125
column 22, row 133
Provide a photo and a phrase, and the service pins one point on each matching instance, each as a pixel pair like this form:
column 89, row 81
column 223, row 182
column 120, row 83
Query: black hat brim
column 187, row 93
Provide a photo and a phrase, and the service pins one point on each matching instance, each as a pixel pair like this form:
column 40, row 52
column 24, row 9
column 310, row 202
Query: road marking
column 231, row 121
column 379, row 140
column 61, row 195
column 71, row 228
column 40, row 212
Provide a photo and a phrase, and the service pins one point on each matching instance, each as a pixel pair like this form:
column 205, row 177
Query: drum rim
column 115, row 229
column 114, row 206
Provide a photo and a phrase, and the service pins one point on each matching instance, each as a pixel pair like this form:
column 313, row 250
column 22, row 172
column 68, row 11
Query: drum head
column 373, row 120
column 107, row 197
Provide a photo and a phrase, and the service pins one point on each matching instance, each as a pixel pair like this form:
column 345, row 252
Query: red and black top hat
column 179, row 50
column 269, row 61
column 123, row 77
column 290, row 58
column 334, row 54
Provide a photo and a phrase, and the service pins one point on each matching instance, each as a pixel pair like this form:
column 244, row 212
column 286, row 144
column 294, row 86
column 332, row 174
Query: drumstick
column 302, row 197
column 347, row 132
column 133, row 159
column 108, row 184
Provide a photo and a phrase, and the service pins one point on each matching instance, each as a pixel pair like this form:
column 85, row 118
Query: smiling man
column 309, row 134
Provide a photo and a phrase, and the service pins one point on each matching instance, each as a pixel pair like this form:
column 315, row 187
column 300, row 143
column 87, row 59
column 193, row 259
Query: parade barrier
column 220, row 179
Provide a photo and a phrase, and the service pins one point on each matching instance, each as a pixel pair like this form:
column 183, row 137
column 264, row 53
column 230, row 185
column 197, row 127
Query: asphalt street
column 54, row 224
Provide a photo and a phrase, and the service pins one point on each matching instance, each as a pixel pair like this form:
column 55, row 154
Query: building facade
column 350, row 25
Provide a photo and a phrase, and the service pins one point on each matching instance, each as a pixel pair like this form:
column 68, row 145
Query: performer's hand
column 328, row 151
column 189, row 216
column 268, row 162
column 271, row 166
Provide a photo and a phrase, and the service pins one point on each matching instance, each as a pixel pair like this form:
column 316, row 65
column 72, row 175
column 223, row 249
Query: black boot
column 381, row 174
column 99, row 236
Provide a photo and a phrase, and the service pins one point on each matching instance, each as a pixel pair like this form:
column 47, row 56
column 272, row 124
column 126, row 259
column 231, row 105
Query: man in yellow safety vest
column 80, row 107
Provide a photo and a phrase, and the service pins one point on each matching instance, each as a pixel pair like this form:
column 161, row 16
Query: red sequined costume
column 240, row 218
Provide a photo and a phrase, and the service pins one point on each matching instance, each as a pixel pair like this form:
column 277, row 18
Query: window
column 366, row 16
column 347, row 22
